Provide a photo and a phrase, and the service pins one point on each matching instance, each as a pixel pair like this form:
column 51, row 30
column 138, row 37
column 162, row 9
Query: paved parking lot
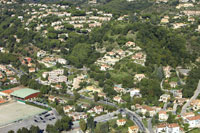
column 14, row 111
column 41, row 120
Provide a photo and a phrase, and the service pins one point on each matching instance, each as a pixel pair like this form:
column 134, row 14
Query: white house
column 164, row 98
column 68, row 108
column 168, row 128
column 135, row 92
column 133, row 129
column 121, row 122
column 139, row 77
column 61, row 61
column 162, row 115
column 193, row 121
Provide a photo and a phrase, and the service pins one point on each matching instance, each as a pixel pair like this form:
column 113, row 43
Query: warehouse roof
column 23, row 93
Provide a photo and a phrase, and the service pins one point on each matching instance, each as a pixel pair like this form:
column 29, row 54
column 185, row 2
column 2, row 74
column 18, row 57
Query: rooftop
column 22, row 93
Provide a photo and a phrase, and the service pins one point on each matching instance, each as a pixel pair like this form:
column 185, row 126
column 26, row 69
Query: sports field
column 11, row 112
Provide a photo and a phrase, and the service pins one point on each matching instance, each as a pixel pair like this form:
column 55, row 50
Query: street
column 196, row 94
column 150, row 125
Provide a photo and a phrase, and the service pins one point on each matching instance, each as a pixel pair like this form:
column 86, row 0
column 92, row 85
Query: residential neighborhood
column 100, row 66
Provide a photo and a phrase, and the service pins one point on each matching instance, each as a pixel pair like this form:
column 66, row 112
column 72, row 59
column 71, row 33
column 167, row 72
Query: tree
column 51, row 129
column 34, row 129
column 90, row 123
column 11, row 131
column 171, row 118
column 102, row 128
column 24, row 130
column 186, row 126
column 83, row 125
column 76, row 95
column 96, row 97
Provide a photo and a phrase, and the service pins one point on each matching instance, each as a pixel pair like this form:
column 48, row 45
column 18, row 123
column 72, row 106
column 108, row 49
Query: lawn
column 194, row 131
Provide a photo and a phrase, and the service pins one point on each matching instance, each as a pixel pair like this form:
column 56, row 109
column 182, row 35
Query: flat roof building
column 25, row 93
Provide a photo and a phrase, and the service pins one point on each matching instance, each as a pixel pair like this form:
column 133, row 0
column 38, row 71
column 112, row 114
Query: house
column 62, row 61
column 184, row 72
column 93, row 89
column 162, row 115
column 177, row 94
column 13, row 80
column 1, row 75
column 173, row 84
column 193, row 121
column 150, row 110
column 98, row 109
column 27, row 60
column 58, row 86
column 121, row 122
column 133, row 129
column 68, row 108
column 118, row 99
column 96, row 24
column 178, row 25
column 185, row 5
column 181, row 101
column 187, row 115
column 161, row 128
column 9, row 72
column 135, row 92
column 168, row 128
column 164, row 98
column 195, row 104
column 77, row 115
column 104, row 67
column 41, row 53
column 85, row 106
column 31, row 70
column 161, row 1
column 138, row 56
column 52, row 98
column 101, row 94
column 2, row 50
column 139, row 77
column 119, row 89
column 2, row 67
column 173, row 128
column 167, row 72
column 130, row 44
column 165, row 20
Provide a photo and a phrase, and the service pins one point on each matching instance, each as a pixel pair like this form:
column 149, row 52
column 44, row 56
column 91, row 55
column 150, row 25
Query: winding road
column 196, row 94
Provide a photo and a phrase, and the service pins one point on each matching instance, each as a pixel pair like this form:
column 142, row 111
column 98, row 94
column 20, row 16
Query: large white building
column 168, row 128
column 193, row 121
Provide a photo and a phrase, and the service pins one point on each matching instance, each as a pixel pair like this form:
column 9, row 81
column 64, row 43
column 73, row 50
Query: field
column 15, row 111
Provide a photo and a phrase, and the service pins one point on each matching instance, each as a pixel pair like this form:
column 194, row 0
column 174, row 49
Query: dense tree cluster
column 191, row 82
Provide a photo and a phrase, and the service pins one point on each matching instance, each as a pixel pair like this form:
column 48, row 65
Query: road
column 174, row 108
column 136, row 118
column 161, row 86
column 150, row 125
column 196, row 94
column 19, row 73
column 102, row 118
column 133, row 116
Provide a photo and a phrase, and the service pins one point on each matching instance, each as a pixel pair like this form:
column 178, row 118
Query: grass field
column 15, row 111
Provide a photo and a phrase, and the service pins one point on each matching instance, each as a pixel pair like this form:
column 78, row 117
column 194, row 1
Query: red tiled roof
column 194, row 118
